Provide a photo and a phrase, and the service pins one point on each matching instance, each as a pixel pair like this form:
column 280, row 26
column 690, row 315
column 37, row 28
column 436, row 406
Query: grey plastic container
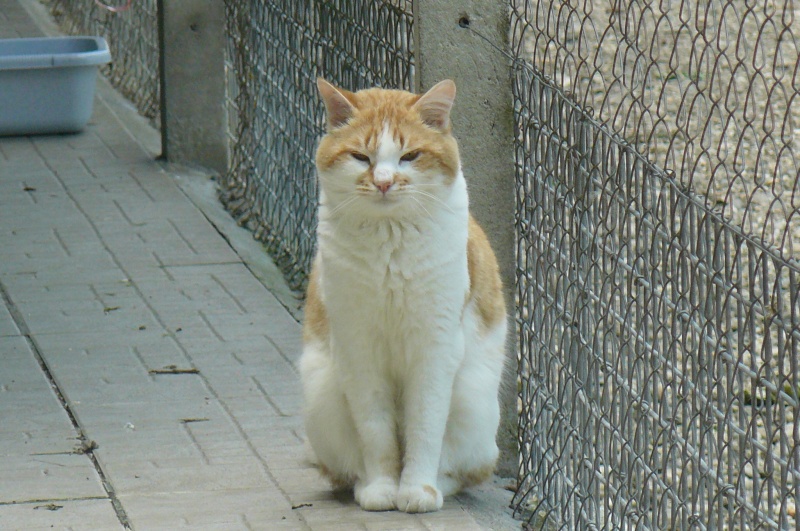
column 47, row 84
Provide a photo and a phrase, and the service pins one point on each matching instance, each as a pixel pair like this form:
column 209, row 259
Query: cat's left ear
column 434, row 106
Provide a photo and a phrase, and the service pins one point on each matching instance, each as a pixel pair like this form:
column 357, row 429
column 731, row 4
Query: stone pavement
column 147, row 375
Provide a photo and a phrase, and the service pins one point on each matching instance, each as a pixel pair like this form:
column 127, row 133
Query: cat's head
column 387, row 152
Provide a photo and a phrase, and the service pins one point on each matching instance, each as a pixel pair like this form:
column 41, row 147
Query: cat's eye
column 410, row 156
column 359, row 156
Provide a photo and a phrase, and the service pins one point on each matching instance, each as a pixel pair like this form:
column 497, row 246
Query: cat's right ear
column 338, row 108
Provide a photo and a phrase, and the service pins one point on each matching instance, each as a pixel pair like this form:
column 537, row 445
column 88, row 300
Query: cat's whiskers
column 433, row 197
column 419, row 203
column 344, row 204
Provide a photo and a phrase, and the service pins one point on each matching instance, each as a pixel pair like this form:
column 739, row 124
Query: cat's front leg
column 372, row 405
column 427, row 404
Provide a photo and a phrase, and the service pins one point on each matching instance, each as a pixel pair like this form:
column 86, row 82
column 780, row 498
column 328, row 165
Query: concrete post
column 462, row 41
column 192, row 69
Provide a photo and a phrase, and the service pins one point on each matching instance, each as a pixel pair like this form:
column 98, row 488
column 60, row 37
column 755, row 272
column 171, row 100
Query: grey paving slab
column 31, row 419
column 14, row 24
column 48, row 477
column 37, row 458
column 22, row 439
column 7, row 326
column 245, row 509
column 184, row 475
column 84, row 515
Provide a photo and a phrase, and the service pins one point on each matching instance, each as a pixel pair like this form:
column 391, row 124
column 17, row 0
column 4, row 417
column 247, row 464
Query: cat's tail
column 448, row 485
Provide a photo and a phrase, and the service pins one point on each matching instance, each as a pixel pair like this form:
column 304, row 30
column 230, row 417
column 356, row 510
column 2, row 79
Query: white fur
column 407, row 381
column 388, row 155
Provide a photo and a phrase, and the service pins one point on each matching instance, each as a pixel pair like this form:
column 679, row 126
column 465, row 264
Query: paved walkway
column 147, row 375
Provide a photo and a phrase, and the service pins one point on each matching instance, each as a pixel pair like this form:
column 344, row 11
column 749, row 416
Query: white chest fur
column 397, row 278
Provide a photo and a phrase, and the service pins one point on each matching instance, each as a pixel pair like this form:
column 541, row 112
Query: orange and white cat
column 405, row 321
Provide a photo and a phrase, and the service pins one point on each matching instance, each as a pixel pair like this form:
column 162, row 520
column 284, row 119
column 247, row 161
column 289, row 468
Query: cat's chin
column 387, row 202
column 387, row 199
column 397, row 208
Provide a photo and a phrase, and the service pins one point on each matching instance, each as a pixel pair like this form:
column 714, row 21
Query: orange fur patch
column 367, row 180
column 485, row 286
column 337, row 482
column 474, row 476
column 315, row 324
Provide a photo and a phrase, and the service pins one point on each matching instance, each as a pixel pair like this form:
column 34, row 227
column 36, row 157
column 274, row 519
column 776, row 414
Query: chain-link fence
column 276, row 51
column 658, row 222
column 132, row 37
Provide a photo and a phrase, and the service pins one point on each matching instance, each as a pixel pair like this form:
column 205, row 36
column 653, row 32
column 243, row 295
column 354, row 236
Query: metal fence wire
column 132, row 37
column 658, row 221
column 276, row 50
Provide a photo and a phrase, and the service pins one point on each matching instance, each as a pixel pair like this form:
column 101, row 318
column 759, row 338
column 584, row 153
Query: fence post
column 192, row 71
column 465, row 41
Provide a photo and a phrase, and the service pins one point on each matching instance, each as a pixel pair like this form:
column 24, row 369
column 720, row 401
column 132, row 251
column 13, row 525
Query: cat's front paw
column 419, row 498
column 380, row 495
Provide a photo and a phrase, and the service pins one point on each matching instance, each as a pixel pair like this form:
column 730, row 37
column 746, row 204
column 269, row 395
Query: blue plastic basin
column 47, row 84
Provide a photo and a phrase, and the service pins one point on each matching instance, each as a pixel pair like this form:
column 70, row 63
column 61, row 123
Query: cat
column 405, row 322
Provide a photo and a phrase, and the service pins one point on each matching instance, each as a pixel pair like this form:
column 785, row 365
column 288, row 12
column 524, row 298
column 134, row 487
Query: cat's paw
column 380, row 495
column 419, row 498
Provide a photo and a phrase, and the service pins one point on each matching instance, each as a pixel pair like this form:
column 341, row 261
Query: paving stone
column 21, row 441
column 94, row 514
column 33, row 421
column 251, row 509
column 48, row 477
column 7, row 325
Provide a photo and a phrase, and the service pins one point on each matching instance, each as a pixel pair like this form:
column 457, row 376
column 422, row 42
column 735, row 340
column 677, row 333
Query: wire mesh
column 132, row 38
column 658, row 292
column 276, row 50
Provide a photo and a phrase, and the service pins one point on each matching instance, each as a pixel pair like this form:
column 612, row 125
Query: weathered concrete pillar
column 192, row 69
column 462, row 41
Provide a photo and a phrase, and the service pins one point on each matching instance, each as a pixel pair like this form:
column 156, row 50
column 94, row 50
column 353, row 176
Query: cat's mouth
column 388, row 195
column 386, row 200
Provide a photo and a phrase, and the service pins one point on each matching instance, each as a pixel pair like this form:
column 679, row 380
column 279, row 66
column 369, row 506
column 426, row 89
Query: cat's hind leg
column 329, row 426
column 469, row 451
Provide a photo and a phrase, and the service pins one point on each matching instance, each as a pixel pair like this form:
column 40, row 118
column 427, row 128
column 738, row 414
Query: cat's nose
column 383, row 177
column 383, row 186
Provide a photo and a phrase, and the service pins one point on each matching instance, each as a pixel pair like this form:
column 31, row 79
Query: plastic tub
column 47, row 84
